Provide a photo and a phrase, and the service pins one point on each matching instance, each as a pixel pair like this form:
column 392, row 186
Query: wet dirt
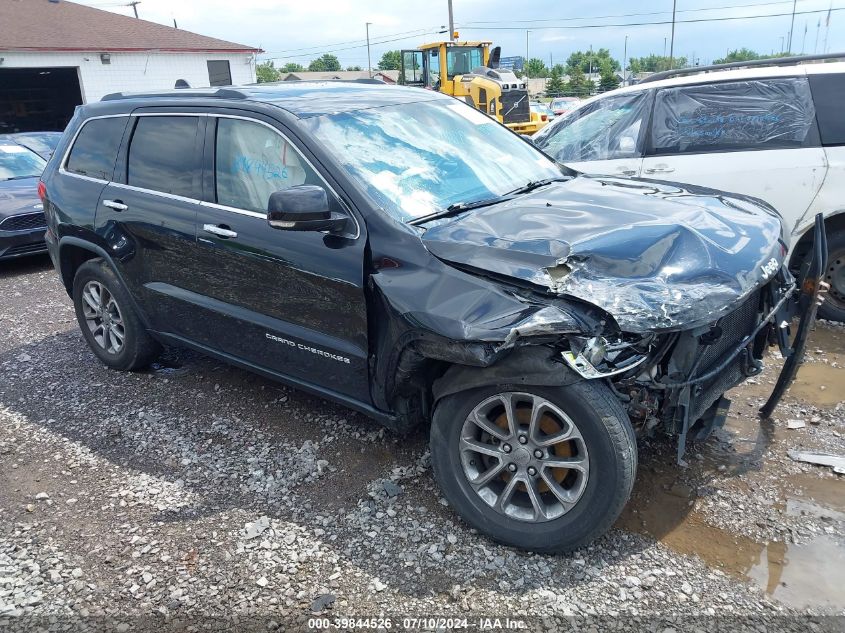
column 663, row 507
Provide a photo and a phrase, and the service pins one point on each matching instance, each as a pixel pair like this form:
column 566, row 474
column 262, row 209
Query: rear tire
column 833, row 307
column 548, row 509
column 108, row 320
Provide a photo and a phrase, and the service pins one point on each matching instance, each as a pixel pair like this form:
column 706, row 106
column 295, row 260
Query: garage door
column 36, row 99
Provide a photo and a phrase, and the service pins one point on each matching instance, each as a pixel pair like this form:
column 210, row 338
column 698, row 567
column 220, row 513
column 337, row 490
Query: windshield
column 418, row 159
column 41, row 143
column 17, row 161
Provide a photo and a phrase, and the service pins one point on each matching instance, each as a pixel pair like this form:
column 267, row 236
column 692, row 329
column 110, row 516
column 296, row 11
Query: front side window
column 731, row 116
column 418, row 158
column 163, row 155
column 603, row 130
column 253, row 161
column 460, row 60
column 95, row 149
column 18, row 162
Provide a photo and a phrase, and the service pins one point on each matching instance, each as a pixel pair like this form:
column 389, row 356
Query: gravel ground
column 197, row 492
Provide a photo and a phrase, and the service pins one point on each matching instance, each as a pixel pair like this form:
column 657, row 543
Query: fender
column 532, row 365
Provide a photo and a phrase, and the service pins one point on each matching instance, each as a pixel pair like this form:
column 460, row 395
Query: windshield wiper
column 21, row 177
column 535, row 184
column 459, row 207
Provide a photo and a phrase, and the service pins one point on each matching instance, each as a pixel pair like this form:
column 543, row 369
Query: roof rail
column 793, row 60
column 282, row 82
column 179, row 93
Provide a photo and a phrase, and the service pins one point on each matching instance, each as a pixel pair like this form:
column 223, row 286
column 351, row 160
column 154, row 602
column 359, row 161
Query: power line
column 322, row 50
column 655, row 23
column 416, row 32
column 627, row 15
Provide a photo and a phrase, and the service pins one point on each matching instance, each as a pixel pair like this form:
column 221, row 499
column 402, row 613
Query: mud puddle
column 810, row 573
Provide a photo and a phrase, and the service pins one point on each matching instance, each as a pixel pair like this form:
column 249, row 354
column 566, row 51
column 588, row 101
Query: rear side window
column 734, row 116
column 829, row 95
column 163, row 155
column 95, row 150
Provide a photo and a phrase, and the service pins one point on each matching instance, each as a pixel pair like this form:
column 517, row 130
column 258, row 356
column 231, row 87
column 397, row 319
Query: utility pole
column 672, row 45
column 791, row 26
column 781, row 43
column 625, row 63
column 134, row 6
column 369, row 62
column 451, row 23
column 527, row 55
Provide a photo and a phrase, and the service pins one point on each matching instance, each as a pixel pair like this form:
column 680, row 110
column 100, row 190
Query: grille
column 25, row 249
column 515, row 108
column 735, row 327
column 24, row 222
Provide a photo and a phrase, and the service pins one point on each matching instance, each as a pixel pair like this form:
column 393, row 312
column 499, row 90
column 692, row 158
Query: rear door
column 755, row 137
column 288, row 301
column 603, row 137
column 148, row 213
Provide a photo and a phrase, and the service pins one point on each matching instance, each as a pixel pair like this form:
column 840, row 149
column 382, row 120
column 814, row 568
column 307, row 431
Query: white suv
column 774, row 132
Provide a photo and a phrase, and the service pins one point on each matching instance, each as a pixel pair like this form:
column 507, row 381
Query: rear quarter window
column 734, row 116
column 94, row 151
column 829, row 97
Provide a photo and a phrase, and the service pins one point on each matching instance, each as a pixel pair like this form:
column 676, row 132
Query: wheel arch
column 833, row 223
column 73, row 252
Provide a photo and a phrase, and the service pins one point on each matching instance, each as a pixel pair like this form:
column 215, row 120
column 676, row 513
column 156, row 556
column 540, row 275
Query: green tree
column 391, row 60
column 654, row 63
column 746, row 54
column 292, row 67
column 536, row 68
column 578, row 84
column 597, row 60
column 266, row 72
column 353, row 68
column 609, row 80
column 555, row 86
column 325, row 63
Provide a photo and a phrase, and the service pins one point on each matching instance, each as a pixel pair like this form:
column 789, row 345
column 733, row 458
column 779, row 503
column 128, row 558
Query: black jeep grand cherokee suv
column 397, row 251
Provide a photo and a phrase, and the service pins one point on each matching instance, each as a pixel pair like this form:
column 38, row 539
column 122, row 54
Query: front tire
column 108, row 320
column 546, row 469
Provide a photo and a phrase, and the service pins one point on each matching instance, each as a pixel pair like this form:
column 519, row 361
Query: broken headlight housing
column 604, row 356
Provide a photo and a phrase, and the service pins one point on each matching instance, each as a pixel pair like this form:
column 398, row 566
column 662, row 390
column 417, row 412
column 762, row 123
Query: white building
column 55, row 55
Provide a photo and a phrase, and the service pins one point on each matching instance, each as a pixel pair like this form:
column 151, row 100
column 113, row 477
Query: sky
column 297, row 31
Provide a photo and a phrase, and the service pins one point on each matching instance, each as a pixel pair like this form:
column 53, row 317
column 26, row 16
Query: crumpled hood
column 654, row 255
column 19, row 196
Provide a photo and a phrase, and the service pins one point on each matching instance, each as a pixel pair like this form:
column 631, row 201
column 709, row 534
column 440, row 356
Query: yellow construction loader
column 470, row 71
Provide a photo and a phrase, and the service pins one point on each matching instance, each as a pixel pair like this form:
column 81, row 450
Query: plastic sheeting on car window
column 741, row 115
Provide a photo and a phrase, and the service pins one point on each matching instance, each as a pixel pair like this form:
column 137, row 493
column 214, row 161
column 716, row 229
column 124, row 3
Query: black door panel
column 290, row 301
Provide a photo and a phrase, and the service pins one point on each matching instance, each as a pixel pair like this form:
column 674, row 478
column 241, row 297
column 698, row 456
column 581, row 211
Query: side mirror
column 303, row 208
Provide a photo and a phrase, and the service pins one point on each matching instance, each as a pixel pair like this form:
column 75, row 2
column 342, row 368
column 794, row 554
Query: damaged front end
column 672, row 299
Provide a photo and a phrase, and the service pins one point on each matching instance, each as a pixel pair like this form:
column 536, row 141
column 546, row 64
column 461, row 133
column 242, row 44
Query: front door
column 288, row 301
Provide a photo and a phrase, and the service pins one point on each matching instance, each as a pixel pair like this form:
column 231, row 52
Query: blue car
column 22, row 223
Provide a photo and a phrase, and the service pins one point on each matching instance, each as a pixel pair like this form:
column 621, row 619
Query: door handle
column 626, row 172
column 220, row 231
column 660, row 169
column 117, row 205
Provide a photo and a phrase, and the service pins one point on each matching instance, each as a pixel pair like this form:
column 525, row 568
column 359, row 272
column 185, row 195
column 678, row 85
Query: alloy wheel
column 103, row 317
column 524, row 457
